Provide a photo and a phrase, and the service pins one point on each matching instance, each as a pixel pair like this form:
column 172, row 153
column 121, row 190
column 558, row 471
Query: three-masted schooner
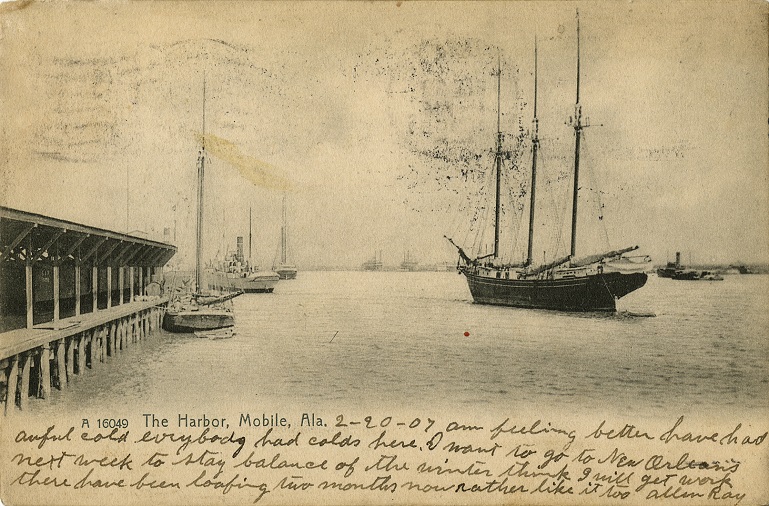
column 589, row 284
column 199, row 311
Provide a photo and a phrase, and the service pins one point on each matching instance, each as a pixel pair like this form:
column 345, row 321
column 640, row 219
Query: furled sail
column 543, row 268
column 597, row 258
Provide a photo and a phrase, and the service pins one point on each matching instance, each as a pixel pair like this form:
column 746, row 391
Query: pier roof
column 24, row 234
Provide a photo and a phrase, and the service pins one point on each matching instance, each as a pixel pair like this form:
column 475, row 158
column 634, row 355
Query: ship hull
column 186, row 321
column 251, row 284
column 597, row 292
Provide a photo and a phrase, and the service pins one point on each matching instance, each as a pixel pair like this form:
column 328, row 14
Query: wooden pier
column 71, row 296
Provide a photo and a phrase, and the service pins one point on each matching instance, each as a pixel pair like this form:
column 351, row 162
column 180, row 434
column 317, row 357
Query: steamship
column 236, row 273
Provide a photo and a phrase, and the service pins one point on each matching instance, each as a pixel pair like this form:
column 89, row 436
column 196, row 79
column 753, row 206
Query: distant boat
column 374, row 264
column 694, row 275
column 593, row 283
column 671, row 268
column 199, row 311
column 409, row 264
column 285, row 269
column 236, row 274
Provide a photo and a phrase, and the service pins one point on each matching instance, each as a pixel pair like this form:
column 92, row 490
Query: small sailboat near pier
column 593, row 283
column 199, row 311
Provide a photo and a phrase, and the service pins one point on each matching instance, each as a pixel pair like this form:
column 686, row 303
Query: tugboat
column 567, row 284
column 670, row 270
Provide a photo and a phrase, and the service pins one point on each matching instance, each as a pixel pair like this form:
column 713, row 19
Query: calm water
column 369, row 340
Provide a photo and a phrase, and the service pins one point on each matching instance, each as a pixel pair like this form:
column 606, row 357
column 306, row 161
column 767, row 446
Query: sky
column 378, row 122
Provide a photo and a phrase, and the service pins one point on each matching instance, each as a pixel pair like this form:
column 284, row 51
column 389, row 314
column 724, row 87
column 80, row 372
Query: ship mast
column 201, row 175
column 283, row 234
column 534, row 149
column 498, row 162
column 249, row 237
column 577, row 125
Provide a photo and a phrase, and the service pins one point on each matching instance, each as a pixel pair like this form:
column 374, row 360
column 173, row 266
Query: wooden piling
column 113, row 338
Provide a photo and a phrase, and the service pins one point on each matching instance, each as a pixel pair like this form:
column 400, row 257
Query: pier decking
column 70, row 296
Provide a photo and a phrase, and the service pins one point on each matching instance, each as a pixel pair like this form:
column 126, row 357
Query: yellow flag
column 258, row 172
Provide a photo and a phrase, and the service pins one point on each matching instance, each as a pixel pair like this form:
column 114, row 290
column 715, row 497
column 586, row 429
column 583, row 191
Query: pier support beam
column 45, row 371
column 77, row 289
column 95, row 286
column 109, row 287
column 121, row 282
column 28, row 284
column 12, row 385
column 56, row 294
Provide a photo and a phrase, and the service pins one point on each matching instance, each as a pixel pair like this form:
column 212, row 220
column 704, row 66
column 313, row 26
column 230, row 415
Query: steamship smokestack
column 239, row 254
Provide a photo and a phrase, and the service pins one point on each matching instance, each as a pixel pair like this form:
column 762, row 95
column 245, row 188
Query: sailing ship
column 199, row 311
column 589, row 284
column 237, row 274
column 285, row 269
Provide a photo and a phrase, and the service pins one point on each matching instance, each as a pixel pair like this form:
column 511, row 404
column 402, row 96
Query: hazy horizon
column 382, row 120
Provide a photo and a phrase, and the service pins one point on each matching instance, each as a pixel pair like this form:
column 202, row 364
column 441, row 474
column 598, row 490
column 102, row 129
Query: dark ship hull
column 597, row 292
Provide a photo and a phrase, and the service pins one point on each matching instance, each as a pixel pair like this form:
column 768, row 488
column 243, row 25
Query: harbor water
column 367, row 340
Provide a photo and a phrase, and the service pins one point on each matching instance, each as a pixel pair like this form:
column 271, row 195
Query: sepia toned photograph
column 510, row 252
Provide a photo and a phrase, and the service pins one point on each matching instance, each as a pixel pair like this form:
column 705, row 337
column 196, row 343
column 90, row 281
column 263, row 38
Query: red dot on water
column 467, row 334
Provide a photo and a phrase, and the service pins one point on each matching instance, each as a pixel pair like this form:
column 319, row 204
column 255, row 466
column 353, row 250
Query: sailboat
column 593, row 283
column 285, row 269
column 199, row 311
